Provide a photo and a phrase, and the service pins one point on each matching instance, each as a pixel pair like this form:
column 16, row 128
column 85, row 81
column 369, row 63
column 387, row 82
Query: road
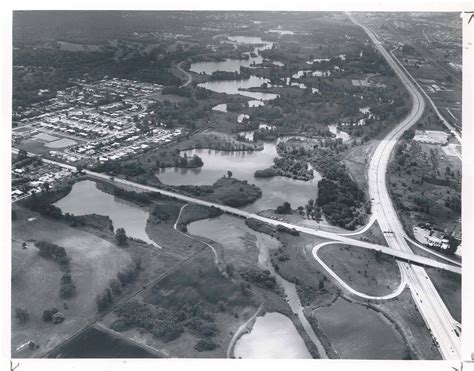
column 188, row 76
column 403, row 255
column 429, row 303
column 175, row 226
column 346, row 286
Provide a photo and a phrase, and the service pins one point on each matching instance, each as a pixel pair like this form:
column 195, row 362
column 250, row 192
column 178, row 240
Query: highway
column 346, row 286
column 437, row 317
column 402, row 255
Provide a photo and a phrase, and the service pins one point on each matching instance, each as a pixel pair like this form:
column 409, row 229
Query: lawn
column 361, row 269
column 36, row 281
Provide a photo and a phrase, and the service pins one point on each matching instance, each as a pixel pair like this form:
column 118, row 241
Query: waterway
column 232, row 233
column 233, row 65
column 85, row 198
column 243, row 165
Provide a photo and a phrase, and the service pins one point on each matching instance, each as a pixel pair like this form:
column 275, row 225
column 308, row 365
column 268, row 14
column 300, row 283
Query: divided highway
column 437, row 317
column 402, row 255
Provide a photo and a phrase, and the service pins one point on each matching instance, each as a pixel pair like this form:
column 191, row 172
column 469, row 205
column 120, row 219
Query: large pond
column 236, row 86
column 95, row 343
column 85, row 198
column 232, row 233
column 357, row 332
column 243, row 165
column 233, row 65
column 272, row 336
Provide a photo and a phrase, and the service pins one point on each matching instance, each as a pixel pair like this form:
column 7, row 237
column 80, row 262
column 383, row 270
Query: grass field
column 36, row 281
column 403, row 311
column 448, row 285
column 361, row 269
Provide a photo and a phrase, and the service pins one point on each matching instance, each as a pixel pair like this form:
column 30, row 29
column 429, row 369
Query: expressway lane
column 346, row 286
column 403, row 255
column 429, row 303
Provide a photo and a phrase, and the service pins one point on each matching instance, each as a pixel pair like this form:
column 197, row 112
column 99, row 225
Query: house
column 437, row 239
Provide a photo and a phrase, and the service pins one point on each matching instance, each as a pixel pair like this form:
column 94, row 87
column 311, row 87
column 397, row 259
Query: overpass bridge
column 397, row 254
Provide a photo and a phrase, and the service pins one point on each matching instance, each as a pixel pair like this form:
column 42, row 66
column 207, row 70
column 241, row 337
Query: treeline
column 226, row 75
column 261, row 278
column 54, row 69
column 339, row 197
column 126, row 276
column 129, row 169
column 168, row 324
column 58, row 254
column 288, row 167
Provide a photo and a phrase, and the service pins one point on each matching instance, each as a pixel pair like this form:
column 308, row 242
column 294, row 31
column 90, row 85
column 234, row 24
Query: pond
column 234, row 235
column 243, row 165
column 236, row 86
column 95, row 343
column 357, row 332
column 85, row 198
column 272, row 336
column 220, row 107
column 233, row 65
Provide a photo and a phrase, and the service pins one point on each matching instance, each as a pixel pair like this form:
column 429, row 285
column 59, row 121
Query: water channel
column 233, row 234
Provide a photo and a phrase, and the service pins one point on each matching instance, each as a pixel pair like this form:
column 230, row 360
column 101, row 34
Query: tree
column 57, row 318
column 284, row 209
column 121, row 236
column 22, row 154
column 48, row 314
column 67, row 290
column 21, row 315
column 229, row 173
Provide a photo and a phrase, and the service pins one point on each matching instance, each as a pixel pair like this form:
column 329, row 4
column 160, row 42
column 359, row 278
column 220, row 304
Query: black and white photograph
column 241, row 184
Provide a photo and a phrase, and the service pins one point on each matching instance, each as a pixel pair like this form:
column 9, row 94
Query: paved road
column 403, row 255
column 188, row 76
column 346, row 286
column 429, row 303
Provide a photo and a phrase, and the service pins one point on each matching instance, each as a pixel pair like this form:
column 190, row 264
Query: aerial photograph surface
column 236, row 184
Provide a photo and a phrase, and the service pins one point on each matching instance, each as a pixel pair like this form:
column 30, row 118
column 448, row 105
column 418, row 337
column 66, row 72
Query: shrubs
column 124, row 277
column 52, row 251
column 67, row 290
column 121, row 237
column 57, row 253
column 205, row 345
column 262, row 278
column 57, row 318
column 166, row 324
column 21, row 315
column 284, row 209
column 48, row 314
